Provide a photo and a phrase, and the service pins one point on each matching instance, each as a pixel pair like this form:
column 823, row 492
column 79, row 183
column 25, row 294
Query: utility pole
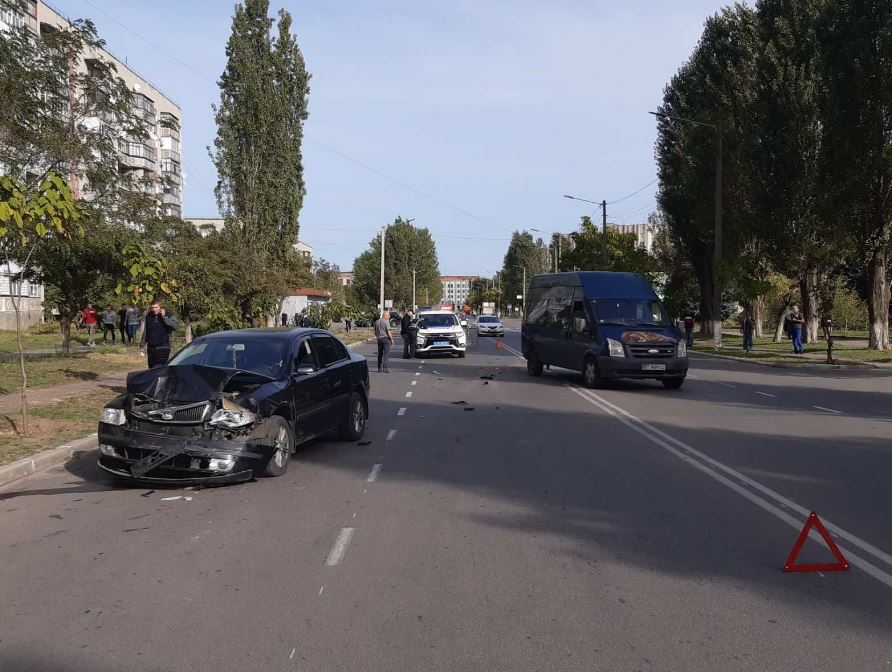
column 383, row 234
column 414, row 272
column 717, row 250
column 604, row 229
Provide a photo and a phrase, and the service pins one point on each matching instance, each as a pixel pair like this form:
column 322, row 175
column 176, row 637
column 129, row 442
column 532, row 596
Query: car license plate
column 653, row 367
column 439, row 344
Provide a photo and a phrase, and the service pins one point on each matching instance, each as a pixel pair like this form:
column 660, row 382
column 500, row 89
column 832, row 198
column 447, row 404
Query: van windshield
column 633, row 312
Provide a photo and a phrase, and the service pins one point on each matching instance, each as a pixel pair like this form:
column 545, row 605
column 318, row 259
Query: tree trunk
column 779, row 330
column 878, row 302
column 705, row 317
column 65, row 327
column 187, row 327
column 759, row 317
column 18, row 338
column 808, row 288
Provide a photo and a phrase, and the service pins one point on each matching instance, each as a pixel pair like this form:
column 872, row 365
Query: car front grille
column 652, row 351
column 188, row 414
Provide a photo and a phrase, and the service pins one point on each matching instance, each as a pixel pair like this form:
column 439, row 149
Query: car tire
column 590, row 374
column 672, row 383
column 461, row 355
column 534, row 366
column 353, row 426
column 280, row 433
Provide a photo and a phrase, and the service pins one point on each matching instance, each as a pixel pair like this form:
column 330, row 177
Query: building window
column 11, row 17
column 33, row 290
column 170, row 166
column 137, row 149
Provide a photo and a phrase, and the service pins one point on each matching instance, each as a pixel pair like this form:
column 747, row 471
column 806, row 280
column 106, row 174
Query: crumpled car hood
column 187, row 383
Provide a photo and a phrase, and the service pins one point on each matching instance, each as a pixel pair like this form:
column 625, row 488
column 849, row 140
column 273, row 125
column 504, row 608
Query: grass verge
column 52, row 425
column 60, row 370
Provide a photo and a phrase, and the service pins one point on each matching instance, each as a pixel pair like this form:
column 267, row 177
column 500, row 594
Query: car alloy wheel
column 282, row 452
column 358, row 416
column 280, row 437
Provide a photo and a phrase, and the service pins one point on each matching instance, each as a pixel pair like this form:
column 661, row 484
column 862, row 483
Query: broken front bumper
column 160, row 458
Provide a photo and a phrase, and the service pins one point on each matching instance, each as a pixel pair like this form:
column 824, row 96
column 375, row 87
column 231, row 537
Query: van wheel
column 590, row 375
column 534, row 366
column 672, row 383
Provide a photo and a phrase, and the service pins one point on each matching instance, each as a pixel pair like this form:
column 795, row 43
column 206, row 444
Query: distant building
column 30, row 299
column 456, row 288
column 304, row 250
column 301, row 298
column 346, row 278
column 207, row 224
column 643, row 232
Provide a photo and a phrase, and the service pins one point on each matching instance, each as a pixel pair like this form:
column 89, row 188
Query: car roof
column 267, row 332
column 436, row 312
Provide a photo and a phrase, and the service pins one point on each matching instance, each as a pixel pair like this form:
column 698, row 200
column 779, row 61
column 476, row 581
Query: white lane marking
column 293, row 650
column 402, row 411
column 821, row 575
column 829, row 410
column 765, row 394
column 408, row 395
column 321, row 589
column 417, row 374
column 391, row 434
column 510, row 349
column 419, row 366
column 694, row 376
column 340, row 546
column 725, row 384
column 710, row 467
column 415, row 382
column 373, row 476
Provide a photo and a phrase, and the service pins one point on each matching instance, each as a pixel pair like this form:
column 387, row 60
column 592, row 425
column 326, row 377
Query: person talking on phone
column 156, row 334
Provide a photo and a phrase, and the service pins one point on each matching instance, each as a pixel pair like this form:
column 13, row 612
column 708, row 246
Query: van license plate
column 653, row 367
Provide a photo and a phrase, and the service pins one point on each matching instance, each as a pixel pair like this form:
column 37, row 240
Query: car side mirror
column 464, row 323
column 305, row 369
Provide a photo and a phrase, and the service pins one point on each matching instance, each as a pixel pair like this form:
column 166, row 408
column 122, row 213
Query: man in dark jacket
column 156, row 334
column 408, row 331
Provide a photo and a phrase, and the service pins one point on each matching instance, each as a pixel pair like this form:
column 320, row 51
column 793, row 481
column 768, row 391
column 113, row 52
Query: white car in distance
column 440, row 331
column 490, row 325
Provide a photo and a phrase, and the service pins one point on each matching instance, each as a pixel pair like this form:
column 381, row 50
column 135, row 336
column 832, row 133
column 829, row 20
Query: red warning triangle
column 840, row 566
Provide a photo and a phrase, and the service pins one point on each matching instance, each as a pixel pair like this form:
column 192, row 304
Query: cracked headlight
column 615, row 348
column 113, row 416
column 232, row 419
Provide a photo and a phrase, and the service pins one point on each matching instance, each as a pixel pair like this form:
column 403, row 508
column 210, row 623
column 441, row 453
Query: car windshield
column 635, row 312
column 264, row 356
column 435, row 320
column 484, row 320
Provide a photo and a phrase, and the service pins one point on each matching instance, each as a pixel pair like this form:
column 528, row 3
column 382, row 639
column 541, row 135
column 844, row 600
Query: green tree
column 407, row 249
column 623, row 252
column 523, row 257
column 263, row 103
column 149, row 279
column 856, row 39
column 27, row 218
column 328, row 276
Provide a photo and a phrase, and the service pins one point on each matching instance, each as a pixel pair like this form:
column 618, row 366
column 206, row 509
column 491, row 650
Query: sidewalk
column 12, row 403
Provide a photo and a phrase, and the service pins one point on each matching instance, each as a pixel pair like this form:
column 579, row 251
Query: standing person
column 284, row 318
column 89, row 318
column 689, row 328
column 109, row 320
column 306, row 320
column 796, row 322
column 132, row 322
column 122, row 322
column 385, row 340
column 746, row 328
column 156, row 335
column 407, row 331
column 347, row 323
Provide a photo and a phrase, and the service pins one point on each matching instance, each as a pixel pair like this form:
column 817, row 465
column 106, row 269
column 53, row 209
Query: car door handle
column 337, row 383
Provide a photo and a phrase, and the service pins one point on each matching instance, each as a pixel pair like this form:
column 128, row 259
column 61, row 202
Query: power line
column 307, row 135
column 634, row 193
column 637, row 211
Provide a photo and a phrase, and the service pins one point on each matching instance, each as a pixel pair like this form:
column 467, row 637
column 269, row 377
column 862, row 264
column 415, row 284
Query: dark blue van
column 606, row 325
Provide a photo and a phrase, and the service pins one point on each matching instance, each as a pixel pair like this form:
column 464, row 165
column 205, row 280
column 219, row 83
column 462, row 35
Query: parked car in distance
column 603, row 324
column 234, row 405
column 440, row 331
column 490, row 325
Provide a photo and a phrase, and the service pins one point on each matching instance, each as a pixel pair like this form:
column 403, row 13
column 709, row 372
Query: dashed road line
column 374, row 475
column 402, row 411
column 765, row 394
column 340, row 546
column 829, row 410
column 321, row 589
column 294, row 650
column 408, row 395
column 757, row 493
column 417, row 374
column 391, row 434
column 415, row 382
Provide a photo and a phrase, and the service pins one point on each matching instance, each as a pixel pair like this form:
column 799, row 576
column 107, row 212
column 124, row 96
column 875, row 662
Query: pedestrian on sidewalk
column 132, row 322
column 122, row 323
column 89, row 318
column 109, row 322
column 746, row 328
column 385, row 340
column 347, row 324
column 156, row 334
column 796, row 322
column 284, row 318
column 408, row 331
column 689, row 328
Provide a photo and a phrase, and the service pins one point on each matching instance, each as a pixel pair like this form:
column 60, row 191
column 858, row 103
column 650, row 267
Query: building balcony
column 135, row 161
column 170, row 154
column 170, row 199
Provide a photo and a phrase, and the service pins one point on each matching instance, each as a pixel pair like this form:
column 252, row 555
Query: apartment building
column 644, row 233
column 158, row 158
column 456, row 288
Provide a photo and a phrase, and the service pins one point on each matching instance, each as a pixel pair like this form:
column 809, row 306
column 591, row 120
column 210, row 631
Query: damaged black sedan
column 234, row 405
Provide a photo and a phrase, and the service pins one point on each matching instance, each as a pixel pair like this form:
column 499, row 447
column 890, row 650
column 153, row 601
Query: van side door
column 578, row 336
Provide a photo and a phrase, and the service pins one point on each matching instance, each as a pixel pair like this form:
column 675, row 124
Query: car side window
column 325, row 349
column 305, row 354
column 341, row 349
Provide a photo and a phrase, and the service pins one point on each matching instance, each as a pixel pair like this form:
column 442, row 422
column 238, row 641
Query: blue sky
column 482, row 113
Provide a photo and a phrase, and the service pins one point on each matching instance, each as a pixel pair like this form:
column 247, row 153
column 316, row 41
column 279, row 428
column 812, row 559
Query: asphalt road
column 537, row 526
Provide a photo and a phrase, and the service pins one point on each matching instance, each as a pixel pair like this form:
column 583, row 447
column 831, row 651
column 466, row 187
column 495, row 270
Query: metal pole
column 413, row 289
column 523, row 306
column 604, row 229
column 383, row 232
column 717, row 251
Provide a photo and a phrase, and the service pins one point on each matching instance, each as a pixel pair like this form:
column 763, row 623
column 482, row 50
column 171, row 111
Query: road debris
column 364, row 443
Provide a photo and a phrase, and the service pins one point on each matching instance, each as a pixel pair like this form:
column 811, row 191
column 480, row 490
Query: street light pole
column 383, row 234
column 717, row 233
column 603, row 206
column 414, row 271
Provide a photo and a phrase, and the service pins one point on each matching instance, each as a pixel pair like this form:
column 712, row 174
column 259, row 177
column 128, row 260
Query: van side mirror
column 305, row 369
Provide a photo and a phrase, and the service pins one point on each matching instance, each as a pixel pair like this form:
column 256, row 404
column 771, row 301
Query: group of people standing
column 384, row 337
column 125, row 320
column 793, row 323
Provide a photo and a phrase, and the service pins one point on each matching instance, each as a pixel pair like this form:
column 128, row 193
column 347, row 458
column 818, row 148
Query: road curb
column 358, row 343
column 788, row 365
column 46, row 459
